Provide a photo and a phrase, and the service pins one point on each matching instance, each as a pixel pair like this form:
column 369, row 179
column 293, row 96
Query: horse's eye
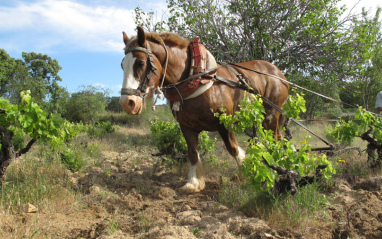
column 141, row 63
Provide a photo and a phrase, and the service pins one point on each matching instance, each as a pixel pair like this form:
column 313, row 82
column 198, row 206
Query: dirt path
column 133, row 195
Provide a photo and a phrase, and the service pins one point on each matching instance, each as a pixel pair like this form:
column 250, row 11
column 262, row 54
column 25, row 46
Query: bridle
column 151, row 68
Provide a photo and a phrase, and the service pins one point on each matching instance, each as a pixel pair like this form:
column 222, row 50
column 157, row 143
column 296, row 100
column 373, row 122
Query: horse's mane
column 170, row 39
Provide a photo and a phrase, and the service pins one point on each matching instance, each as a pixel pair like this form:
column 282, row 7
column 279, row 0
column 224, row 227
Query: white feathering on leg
column 195, row 181
column 240, row 156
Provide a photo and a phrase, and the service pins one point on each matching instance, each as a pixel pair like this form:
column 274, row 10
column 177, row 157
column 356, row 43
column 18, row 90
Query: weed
column 350, row 166
column 35, row 232
column 112, row 226
column 235, row 196
column 196, row 231
column 144, row 188
column 144, row 222
column 71, row 159
column 107, row 170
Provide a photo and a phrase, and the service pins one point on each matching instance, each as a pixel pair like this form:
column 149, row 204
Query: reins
column 291, row 83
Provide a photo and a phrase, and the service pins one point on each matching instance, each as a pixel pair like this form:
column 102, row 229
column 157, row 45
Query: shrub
column 168, row 138
column 100, row 129
column 71, row 159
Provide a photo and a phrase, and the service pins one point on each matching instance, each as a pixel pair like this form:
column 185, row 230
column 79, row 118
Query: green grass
column 44, row 184
column 282, row 211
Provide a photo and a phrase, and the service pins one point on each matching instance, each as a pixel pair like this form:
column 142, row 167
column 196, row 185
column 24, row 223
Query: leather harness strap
column 243, row 80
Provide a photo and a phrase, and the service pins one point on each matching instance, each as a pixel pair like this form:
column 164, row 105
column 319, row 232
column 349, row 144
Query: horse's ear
column 141, row 37
column 125, row 38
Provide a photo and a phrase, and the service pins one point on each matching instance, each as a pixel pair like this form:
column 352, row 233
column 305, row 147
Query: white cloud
column 52, row 23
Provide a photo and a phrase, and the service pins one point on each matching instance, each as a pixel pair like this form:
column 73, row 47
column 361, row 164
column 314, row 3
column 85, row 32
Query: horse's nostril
column 131, row 103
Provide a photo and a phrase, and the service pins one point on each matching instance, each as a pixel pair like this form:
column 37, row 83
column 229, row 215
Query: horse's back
column 267, row 85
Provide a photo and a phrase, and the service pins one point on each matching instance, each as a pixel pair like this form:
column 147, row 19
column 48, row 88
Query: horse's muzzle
column 131, row 103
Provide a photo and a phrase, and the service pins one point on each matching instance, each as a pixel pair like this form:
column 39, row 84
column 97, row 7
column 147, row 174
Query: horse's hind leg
column 284, row 121
column 232, row 146
column 272, row 122
column 195, row 181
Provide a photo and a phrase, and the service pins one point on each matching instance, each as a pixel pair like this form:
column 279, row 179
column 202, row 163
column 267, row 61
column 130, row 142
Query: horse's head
column 140, row 72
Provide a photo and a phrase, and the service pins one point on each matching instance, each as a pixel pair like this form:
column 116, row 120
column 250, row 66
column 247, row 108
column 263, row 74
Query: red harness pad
column 198, row 65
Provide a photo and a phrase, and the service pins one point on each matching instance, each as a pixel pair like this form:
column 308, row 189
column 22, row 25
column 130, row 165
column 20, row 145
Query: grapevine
column 265, row 150
column 366, row 126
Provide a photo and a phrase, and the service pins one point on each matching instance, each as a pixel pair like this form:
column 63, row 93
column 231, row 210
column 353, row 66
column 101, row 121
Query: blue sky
column 85, row 36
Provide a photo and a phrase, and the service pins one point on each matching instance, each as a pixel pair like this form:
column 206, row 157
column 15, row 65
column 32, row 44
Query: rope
column 158, row 89
column 293, row 84
column 250, row 90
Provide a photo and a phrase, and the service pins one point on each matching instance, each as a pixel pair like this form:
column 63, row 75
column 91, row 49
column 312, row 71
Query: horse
column 156, row 62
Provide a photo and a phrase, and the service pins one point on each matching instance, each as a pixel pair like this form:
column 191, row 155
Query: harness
column 151, row 68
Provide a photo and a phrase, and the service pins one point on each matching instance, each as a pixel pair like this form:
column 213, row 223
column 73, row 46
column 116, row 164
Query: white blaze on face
column 131, row 103
column 129, row 81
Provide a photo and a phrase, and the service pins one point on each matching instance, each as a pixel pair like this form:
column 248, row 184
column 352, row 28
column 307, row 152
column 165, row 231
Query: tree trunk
column 7, row 151
column 373, row 159
column 291, row 180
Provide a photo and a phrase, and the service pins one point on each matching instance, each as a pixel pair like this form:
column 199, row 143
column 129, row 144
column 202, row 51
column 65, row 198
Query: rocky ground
column 134, row 195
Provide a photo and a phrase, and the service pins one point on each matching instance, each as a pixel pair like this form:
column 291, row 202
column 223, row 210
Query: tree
column 362, row 74
column 374, row 74
column 35, row 72
column 43, row 73
column 86, row 104
column 315, row 103
column 7, row 65
column 113, row 104
column 303, row 38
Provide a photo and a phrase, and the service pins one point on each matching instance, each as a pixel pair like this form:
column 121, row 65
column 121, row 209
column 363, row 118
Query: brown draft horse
column 151, row 58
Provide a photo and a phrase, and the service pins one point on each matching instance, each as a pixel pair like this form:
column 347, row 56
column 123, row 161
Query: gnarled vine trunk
column 375, row 162
column 7, row 151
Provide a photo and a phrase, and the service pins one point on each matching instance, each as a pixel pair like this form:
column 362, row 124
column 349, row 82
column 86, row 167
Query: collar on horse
column 198, row 74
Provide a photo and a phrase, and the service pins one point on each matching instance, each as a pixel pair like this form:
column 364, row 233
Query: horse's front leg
column 232, row 146
column 195, row 181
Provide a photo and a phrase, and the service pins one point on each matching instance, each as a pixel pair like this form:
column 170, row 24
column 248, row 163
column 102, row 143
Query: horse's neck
column 178, row 66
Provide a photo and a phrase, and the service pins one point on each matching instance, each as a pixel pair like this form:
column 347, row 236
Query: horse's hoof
column 189, row 188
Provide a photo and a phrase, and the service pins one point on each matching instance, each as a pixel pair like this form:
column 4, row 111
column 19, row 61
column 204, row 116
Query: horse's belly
column 196, row 117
